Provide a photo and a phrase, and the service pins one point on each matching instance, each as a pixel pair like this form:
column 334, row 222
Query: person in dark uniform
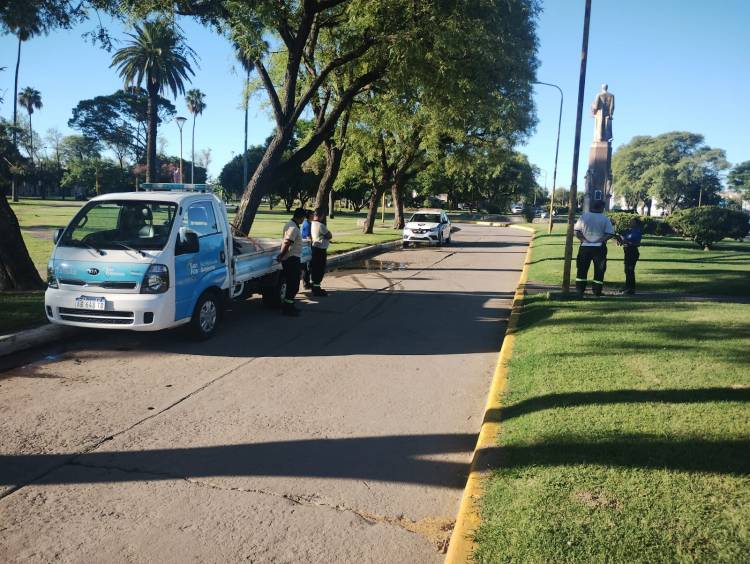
column 631, row 240
column 290, row 257
column 593, row 229
column 305, row 229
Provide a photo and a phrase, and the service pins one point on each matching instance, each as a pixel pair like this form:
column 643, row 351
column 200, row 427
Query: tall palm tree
column 249, row 66
column 195, row 105
column 157, row 55
column 31, row 99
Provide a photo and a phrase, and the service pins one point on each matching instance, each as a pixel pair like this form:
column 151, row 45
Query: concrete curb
column 461, row 546
column 358, row 254
column 46, row 334
column 29, row 338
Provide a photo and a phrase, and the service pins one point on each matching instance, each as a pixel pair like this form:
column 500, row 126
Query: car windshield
column 121, row 225
column 425, row 218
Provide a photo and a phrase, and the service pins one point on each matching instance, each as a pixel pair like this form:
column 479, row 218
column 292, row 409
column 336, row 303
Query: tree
column 739, row 179
column 157, row 56
column 677, row 168
column 119, row 121
column 233, row 173
column 195, row 105
column 31, row 99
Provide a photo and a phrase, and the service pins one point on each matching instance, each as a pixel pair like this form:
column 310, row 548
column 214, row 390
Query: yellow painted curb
column 461, row 546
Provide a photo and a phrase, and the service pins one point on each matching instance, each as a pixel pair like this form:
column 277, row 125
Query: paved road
column 343, row 436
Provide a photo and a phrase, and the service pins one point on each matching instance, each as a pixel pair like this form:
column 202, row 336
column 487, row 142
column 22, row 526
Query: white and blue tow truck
column 156, row 259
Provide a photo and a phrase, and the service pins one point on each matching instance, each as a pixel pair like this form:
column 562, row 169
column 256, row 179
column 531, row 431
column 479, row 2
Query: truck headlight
column 51, row 278
column 156, row 280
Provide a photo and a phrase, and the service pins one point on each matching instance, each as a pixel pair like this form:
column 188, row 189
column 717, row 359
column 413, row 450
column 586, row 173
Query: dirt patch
column 435, row 529
column 596, row 500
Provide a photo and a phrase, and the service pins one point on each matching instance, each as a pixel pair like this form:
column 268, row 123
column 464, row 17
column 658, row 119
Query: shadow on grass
column 613, row 397
column 731, row 456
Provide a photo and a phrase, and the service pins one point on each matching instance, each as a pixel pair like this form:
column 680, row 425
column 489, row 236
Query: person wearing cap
column 631, row 240
column 593, row 229
column 321, row 238
column 290, row 257
column 305, row 229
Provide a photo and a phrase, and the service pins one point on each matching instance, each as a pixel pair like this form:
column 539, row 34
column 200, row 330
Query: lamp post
column 180, row 122
column 557, row 149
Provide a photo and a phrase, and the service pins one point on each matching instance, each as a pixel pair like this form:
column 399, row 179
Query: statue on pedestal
column 603, row 109
column 599, row 175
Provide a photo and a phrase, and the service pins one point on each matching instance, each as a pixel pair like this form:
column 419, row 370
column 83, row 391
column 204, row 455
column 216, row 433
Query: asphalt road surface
column 342, row 436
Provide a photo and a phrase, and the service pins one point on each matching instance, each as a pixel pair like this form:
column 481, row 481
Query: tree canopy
column 677, row 168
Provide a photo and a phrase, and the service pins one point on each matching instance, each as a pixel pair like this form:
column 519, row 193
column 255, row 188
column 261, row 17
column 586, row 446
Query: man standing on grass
column 593, row 229
column 321, row 238
column 631, row 240
column 290, row 257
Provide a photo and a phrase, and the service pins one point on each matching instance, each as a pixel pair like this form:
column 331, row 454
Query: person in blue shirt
column 631, row 240
column 306, row 234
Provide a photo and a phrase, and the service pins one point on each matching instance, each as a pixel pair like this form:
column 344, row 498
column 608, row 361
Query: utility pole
column 577, row 144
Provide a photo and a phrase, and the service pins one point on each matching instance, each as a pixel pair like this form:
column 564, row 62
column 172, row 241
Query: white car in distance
column 428, row 226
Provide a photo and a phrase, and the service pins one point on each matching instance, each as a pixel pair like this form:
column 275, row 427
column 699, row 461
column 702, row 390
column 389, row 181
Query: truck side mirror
column 187, row 243
column 58, row 233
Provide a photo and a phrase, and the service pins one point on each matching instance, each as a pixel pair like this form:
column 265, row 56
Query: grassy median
column 625, row 427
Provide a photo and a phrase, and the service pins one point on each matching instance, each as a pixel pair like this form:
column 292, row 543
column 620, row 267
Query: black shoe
column 316, row 291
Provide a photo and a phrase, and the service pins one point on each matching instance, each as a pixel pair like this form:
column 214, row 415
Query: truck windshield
column 121, row 225
column 425, row 218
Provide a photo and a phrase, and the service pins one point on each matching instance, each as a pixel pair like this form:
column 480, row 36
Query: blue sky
column 672, row 65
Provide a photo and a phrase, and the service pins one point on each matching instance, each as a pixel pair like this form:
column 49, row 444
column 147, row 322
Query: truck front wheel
column 206, row 316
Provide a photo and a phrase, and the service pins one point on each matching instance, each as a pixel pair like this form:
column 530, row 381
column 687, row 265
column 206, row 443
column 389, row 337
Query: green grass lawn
column 626, row 423
column 21, row 310
column 667, row 264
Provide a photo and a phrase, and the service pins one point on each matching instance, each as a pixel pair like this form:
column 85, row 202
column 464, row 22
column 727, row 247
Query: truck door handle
column 222, row 256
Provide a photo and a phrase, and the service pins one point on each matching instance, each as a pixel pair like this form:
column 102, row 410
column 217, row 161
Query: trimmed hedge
column 650, row 225
column 708, row 225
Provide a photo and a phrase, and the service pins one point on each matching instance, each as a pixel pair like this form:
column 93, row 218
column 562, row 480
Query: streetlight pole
column 180, row 122
column 576, row 147
column 557, row 150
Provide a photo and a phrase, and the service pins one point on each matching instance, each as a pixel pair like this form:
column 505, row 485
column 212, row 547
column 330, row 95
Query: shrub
column 709, row 224
column 649, row 225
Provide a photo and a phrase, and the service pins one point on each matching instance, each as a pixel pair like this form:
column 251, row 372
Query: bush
column 709, row 224
column 649, row 225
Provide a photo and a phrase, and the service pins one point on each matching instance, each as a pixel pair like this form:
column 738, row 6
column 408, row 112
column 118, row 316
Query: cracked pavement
column 344, row 435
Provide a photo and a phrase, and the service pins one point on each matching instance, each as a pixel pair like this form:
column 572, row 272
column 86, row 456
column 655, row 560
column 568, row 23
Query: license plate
column 89, row 302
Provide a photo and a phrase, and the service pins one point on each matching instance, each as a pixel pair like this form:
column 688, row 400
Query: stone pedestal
column 599, row 174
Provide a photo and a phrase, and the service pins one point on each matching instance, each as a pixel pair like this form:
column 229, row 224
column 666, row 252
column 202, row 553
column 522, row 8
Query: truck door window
column 201, row 219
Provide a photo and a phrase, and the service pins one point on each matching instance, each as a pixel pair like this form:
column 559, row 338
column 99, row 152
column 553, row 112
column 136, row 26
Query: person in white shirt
column 593, row 229
column 321, row 238
column 290, row 258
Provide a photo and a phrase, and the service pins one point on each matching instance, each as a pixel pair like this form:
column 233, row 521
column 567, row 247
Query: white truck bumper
column 136, row 312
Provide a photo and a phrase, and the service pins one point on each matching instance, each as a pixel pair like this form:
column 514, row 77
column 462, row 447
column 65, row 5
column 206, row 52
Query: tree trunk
column 333, row 165
column 192, row 154
column 262, row 179
column 331, row 205
column 31, row 142
column 15, row 118
column 397, row 193
column 151, row 136
column 17, row 271
column 372, row 212
column 244, row 152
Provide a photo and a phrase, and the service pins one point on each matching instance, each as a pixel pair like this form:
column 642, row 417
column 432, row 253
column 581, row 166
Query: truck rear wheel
column 206, row 316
